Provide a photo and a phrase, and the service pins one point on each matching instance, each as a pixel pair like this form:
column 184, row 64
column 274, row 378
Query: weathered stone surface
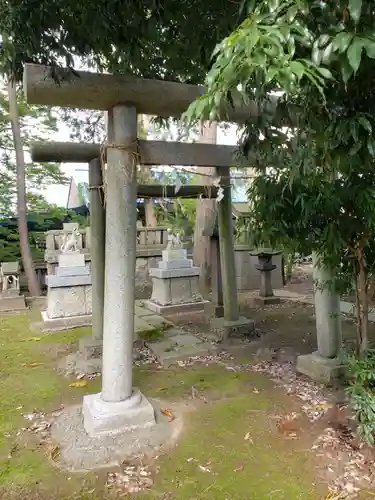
column 194, row 285
column 88, row 299
column 10, row 267
column 66, row 302
column 81, row 452
column 141, row 325
column 177, row 308
column 175, row 264
column 161, row 292
column 320, row 369
column 180, row 291
column 327, row 313
column 73, row 271
column 174, row 273
column 179, row 347
column 66, row 323
column 156, row 321
column 140, row 310
column 110, row 418
column 214, row 310
column 225, row 329
column 55, row 281
column 171, row 254
column 90, row 347
column 264, row 301
column 12, row 304
column 72, row 259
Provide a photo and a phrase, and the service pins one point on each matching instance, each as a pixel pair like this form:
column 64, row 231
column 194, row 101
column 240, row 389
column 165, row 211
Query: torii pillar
column 119, row 406
column 324, row 365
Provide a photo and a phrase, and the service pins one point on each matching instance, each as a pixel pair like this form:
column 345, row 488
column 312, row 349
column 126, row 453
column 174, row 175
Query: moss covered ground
column 266, row 465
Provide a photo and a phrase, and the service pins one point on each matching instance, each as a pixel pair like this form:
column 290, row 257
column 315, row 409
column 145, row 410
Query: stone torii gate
column 119, row 406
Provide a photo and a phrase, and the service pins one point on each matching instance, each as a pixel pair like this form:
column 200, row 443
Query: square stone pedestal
column 69, row 298
column 67, row 323
column 325, row 370
column 103, row 418
column 225, row 329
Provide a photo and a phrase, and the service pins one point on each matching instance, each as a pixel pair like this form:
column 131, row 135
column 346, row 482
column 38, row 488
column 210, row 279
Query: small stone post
column 97, row 222
column 324, row 365
column 227, row 257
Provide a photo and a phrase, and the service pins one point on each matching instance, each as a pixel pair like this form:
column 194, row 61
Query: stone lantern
column 265, row 266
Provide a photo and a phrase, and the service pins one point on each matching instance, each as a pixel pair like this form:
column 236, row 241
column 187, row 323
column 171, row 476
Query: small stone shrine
column 175, row 282
column 10, row 298
column 265, row 267
column 69, row 298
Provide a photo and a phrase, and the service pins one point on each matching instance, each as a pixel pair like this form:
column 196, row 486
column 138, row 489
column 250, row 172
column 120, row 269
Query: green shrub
column 361, row 390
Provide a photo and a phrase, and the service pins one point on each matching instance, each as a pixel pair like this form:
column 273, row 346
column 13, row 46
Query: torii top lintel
column 87, row 90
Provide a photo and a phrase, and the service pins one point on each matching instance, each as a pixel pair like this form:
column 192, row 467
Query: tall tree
column 315, row 182
column 22, row 180
column 33, row 284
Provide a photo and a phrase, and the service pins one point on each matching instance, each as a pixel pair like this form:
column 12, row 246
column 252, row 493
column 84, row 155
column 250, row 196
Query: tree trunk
column 150, row 215
column 201, row 252
column 363, row 298
column 32, row 280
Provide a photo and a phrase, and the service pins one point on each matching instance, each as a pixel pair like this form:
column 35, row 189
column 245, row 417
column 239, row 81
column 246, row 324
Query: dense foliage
column 164, row 39
column 314, row 154
column 38, row 223
column 361, row 390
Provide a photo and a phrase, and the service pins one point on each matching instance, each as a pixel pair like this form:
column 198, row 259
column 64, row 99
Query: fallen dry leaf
column 54, row 453
column 168, row 413
column 80, row 383
column 248, row 438
column 334, row 496
column 204, row 469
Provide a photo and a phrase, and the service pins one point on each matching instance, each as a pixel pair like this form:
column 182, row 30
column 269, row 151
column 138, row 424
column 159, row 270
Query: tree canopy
column 165, row 39
column 315, row 156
